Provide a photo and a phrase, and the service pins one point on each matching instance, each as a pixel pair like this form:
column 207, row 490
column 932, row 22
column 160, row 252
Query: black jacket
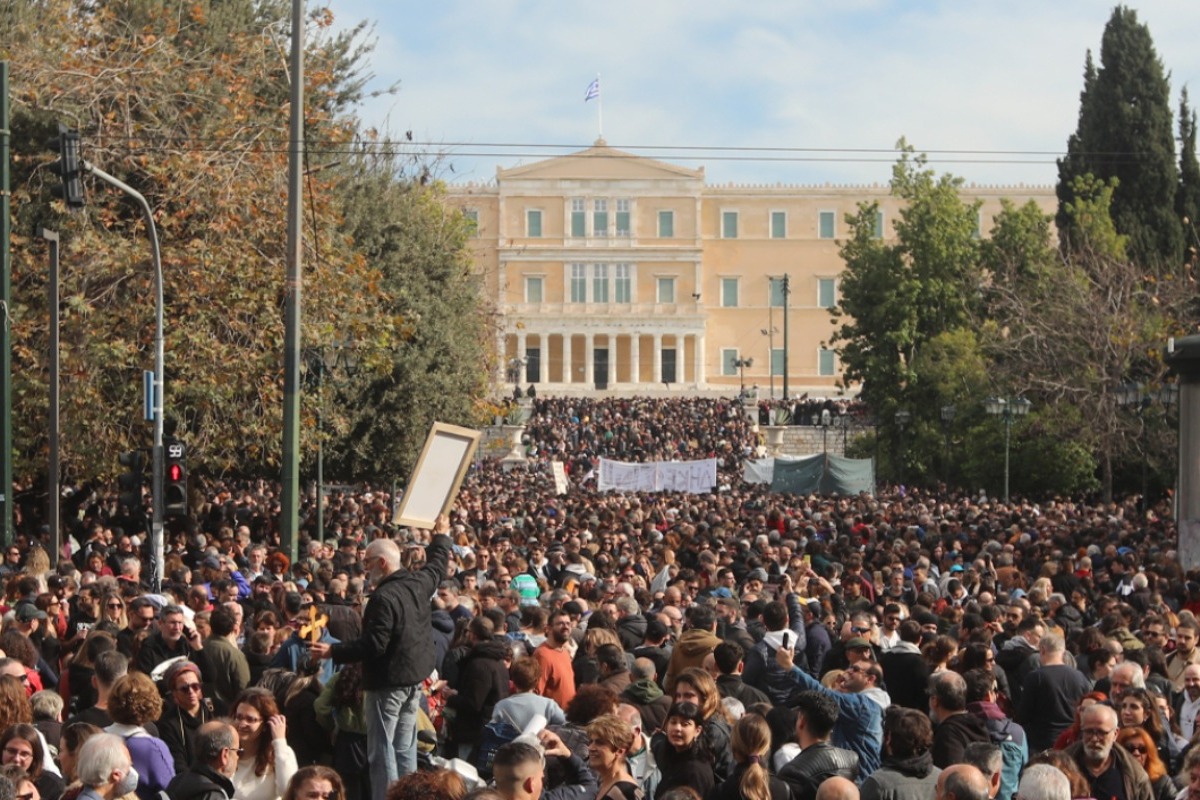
column 177, row 729
column 692, row 767
column 631, row 630
column 155, row 650
column 201, row 783
column 731, row 789
column 733, row 686
column 482, row 682
column 952, row 735
column 396, row 646
column 807, row 771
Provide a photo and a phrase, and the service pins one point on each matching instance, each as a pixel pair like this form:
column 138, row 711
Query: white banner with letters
column 693, row 477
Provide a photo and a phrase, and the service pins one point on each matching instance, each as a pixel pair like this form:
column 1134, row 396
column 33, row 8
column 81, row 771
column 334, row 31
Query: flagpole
column 599, row 110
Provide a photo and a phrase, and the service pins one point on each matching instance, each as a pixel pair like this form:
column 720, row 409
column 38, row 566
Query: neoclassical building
column 612, row 272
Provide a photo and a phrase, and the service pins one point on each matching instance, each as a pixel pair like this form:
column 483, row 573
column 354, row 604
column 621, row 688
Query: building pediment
column 600, row 162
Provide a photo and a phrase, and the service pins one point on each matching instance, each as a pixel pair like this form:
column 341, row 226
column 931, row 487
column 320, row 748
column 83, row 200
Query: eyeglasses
column 15, row 752
column 1096, row 733
column 1136, row 749
column 236, row 750
column 188, row 687
column 248, row 720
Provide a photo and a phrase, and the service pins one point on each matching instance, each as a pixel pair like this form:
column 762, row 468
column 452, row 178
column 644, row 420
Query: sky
column 763, row 92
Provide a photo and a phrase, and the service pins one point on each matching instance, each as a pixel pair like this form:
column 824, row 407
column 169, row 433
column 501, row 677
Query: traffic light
column 69, row 167
column 174, row 479
column 131, row 481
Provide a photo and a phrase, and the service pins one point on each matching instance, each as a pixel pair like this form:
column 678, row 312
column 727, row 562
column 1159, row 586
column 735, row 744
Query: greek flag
column 593, row 90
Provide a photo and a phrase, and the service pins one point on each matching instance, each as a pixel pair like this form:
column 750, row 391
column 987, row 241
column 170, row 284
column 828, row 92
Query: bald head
column 962, row 782
column 837, row 789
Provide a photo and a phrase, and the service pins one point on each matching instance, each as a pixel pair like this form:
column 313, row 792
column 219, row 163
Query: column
column 589, row 356
column 700, row 376
column 568, row 365
column 544, row 359
column 658, row 358
column 635, row 360
column 612, row 358
column 521, row 355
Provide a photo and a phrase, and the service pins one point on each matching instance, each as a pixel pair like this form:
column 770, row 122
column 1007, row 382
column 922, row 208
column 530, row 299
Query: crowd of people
column 721, row 646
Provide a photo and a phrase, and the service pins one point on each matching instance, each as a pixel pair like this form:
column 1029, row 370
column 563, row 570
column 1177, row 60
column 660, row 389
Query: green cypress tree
column 1126, row 132
column 1187, row 201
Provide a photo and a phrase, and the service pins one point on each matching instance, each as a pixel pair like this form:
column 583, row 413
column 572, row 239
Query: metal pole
column 771, row 343
column 6, row 433
column 160, row 381
column 321, row 448
column 787, row 290
column 289, row 523
column 1007, row 433
column 1145, row 504
column 54, row 470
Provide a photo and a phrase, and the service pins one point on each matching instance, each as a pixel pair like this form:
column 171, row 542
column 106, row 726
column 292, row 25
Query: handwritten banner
column 693, row 477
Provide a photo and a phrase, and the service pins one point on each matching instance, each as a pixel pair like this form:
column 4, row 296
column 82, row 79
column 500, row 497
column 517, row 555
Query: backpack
column 1014, row 753
column 494, row 736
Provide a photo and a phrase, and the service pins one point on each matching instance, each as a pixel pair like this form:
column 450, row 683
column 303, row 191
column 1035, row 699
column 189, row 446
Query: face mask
column 127, row 784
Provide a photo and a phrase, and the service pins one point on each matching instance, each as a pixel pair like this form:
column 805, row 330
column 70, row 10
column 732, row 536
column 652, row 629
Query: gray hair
column 386, row 549
column 1137, row 678
column 99, row 757
column 1052, row 643
column 46, row 704
column 627, row 605
column 212, row 739
column 1044, row 782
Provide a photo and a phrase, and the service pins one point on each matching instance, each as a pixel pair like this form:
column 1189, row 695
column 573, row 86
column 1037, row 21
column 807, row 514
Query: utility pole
column 787, row 290
column 6, row 434
column 290, row 522
column 53, row 494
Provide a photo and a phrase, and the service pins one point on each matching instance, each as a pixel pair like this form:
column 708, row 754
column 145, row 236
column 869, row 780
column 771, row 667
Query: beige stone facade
column 614, row 273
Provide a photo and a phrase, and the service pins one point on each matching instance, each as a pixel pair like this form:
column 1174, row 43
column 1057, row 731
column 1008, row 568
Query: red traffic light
column 174, row 473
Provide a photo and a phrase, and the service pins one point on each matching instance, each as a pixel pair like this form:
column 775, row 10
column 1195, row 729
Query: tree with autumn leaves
column 188, row 103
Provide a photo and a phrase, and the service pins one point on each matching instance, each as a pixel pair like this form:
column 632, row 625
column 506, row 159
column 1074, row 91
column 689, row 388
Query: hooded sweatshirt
column 693, row 646
column 952, row 735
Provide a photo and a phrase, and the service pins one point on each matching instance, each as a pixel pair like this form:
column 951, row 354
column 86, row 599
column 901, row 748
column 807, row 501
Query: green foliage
column 188, row 104
column 1187, row 201
column 1125, row 132
column 896, row 298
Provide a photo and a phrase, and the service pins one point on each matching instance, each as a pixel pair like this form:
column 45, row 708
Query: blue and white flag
column 593, row 90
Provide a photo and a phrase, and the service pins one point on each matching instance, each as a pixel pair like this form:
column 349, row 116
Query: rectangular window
column 776, row 292
column 623, row 283
column 778, row 224
column 533, row 290
column 578, row 219
column 472, row 217
column 825, row 292
column 777, row 361
column 578, row 283
column 729, row 292
column 825, row 225
column 599, row 218
column 623, row 228
column 533, row 223
column 600, row 283
column 825, row 362
column 878, row 232
column 729, row 224
column 666, row 290
column 666, row 224
column 729, row 359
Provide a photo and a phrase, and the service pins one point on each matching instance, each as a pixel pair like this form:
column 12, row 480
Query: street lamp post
column 1140, row 399
column 949, row 412
column 770, row 332
column 741, row 364
column 1007, row 408
column 902, row 417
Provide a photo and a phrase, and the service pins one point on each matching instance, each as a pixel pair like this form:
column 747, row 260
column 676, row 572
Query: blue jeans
column 391, row 735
